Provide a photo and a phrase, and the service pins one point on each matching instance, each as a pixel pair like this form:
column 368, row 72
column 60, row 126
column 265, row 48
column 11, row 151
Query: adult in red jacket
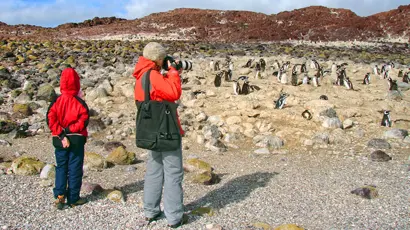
column 164, row 169
column 67, row 118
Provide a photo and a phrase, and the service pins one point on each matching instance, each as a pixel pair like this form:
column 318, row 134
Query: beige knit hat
column 154, row 51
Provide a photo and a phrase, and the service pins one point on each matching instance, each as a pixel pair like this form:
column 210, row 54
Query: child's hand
column 66, row 142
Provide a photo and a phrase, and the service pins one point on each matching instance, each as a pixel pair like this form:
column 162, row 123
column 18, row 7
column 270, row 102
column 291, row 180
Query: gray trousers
column 164, row 169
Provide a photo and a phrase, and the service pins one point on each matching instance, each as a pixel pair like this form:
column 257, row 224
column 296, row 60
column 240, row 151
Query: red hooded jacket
column 162, row 87
column 68, row 115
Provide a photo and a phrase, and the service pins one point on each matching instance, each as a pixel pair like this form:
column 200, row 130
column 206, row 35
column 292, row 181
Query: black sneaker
column 154, row 218
column 183, row 221
column 80, row 201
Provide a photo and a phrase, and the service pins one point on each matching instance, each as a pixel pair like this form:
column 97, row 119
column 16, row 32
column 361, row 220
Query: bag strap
column 146, row 85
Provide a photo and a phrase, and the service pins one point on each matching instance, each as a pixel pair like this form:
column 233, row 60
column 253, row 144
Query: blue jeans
column 69, row 171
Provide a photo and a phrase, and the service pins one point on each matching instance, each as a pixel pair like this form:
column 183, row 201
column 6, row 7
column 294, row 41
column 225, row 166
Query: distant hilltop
column 315, row 23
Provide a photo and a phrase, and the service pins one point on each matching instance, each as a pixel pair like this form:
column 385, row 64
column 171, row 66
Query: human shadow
column 234, row 191
column 126, row 190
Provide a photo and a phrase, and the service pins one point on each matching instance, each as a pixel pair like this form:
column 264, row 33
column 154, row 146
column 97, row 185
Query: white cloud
column 55, row 12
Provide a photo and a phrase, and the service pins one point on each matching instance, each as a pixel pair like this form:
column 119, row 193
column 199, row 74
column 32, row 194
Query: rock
column 7, row 126
column 46, row 92
column 214, row 120
column 94, row 161
column 23, row 98
column 200, row 172
column 95, row 125
column 46, row 183
column 200, row 139
column 320, row 139
column 229, row 137
column 106, row 85
column 249, row 133
column 4, row 166
column 339, row 136
column 216, row 146
column 96, row 93
column 26, row 165
column 403, row 86
column 48, row 172
column 130, row 169
column 262, row 151
column 332, row 123
column 368, row 192
column 203, row 211
column 211, row 132
column 22, row 109
column 380, row 156
column 88, row 188
column 268, row 141
column 378, row 144
column 234, row 120
column 115, row 195
column 121, row 157
column 396, row 134
column 329, row 112
column 213, row 227
column 201, row 117
column 260, row 225
column 347, row 124
column 289, row 227
column 112, row 145
column 407, row 139
column 4, row 143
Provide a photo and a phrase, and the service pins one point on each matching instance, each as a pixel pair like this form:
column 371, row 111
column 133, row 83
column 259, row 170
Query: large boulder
column 268, row 141
column 22, row 110
column 26, row 165
column 7, row 126
column 94, row 161
column 396, row 134
column 120, row 156
column 378, row 144
column 47, row 93
column 200, row 172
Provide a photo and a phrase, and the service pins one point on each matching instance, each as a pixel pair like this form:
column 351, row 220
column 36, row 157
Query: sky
column 51, row 13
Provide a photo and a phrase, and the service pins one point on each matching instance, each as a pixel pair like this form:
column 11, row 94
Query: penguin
column 212, row 65
column 236, row 87
column 276, row 64
column 307, row 115
column 245, row 89
column 303, row 68
column 284, row 78
column 248, row 64
column 400, row 75
column 216, row 66
column 376, row 70
column 218, row 79
column 243, row 78
column 231, row 66
column 386, row 74
column 323, row 97
column 348, row 84
column 281, row 101
column 406, row 77
column 386, row 120
column 286, row 65
column 305, row 80
column 366, row 80
column 294, row 79
column 263, row 64
column 334, row 68
column 229, row 75
column 315, row 81
column 258, row 66
column 314, row 64
column 258, row 75
column 392, row 84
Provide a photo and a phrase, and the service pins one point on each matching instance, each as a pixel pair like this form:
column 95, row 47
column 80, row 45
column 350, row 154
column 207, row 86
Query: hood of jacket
column 69, row 82
column 142, row 66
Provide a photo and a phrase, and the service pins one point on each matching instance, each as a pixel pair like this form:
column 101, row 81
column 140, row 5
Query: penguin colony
column 310, row 72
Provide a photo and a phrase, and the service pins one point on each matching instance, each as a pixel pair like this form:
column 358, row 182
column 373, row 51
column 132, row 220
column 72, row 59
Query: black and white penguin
column 283, row 77
column 218, row 79
column 216, row 66
column 406, row 77
column 263, row 64
column 228, row 75
column 348, row 84
column 323, row 97
column 366, row 80
column 245, row 88
column 376, row 70
column 236, row 87
column 386, row 120
column 294, row 79
column 303, row 68
column 248, row 64
column 386, row 74
column 305, row 80
column 392, row 84
column 281, row 101
column 315, row 81
column 307, row 115
column 400, row 75
column 258, row 66
column 314, row 64
column 258, row 75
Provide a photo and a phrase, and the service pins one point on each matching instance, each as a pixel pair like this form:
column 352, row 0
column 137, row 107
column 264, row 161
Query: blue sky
column 51, row 13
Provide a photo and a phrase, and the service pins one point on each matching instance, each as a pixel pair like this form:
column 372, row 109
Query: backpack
column 156, row 124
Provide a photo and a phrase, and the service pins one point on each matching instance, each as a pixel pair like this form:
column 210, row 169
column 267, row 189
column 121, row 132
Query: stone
column 234, row 120
column 214, row 120
column 96, row 93
column 268, row 141
column 332, row 123
column 4, row 166
column 115, row 195
column 262, row 151
column 407, row 139
column 396, row 134
column 23, row 98
column 368, row 192
column 380, row 156
column 329, row 112
column 201, row 117
column 251, row 133
column 4, row 143
column 94, row 161
column 213, row 227
column 95, row 125
column 200, row 139
column 26, row 165
column 46, row 183
column 91, row 188
column 120, row 156
column 200, row 172
column 48, row 172
column 203, row 211
column 378, row 144
column 130, row 168
column 112, row 145
column 288, row 227
column 347, row 124
column 211, row 132
column 106, row 85
column 320, row 139
column 47, row 93
column 260, row 225
column 22, row 109
column 216, row 146
column 6, row 126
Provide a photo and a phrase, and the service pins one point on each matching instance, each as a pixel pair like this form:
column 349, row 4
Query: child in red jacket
column 67, row 118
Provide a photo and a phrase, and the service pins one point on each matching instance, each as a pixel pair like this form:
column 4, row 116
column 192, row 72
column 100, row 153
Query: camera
column 185, row 65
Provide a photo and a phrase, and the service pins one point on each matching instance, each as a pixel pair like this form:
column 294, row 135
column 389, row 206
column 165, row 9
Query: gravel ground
column 311, row 190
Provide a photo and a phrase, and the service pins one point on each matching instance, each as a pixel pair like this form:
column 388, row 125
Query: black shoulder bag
column 156, row 123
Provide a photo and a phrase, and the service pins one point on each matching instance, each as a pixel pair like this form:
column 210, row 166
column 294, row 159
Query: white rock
column 332, row 123
column 234, row 120
column 201, row 117
column 48, row 172
column 262, row 151
column 347, row 124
